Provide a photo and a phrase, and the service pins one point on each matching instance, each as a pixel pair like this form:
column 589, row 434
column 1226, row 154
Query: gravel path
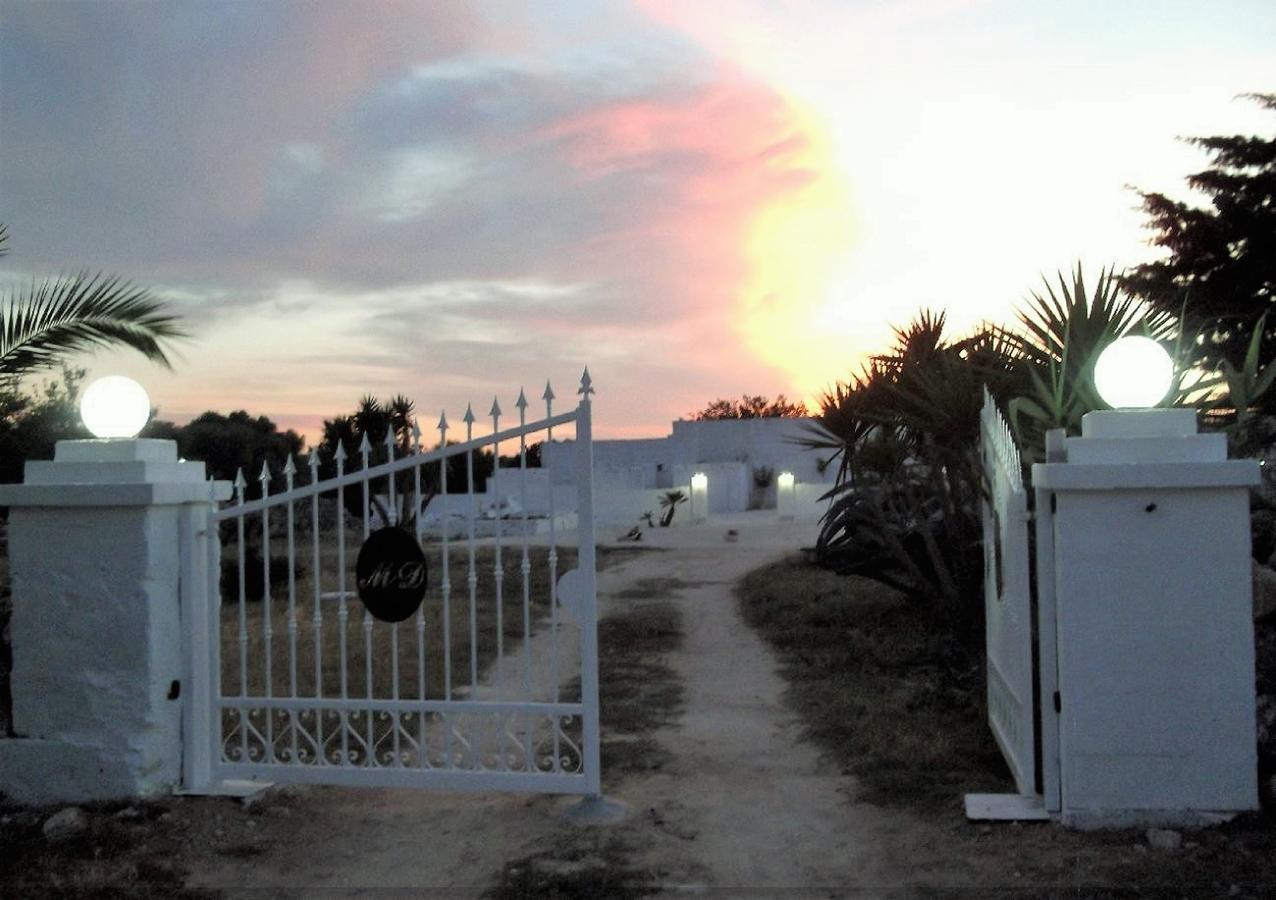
column 745, row 805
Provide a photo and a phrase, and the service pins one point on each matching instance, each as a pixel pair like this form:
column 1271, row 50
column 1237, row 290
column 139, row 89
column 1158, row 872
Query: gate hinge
column 1058, row 702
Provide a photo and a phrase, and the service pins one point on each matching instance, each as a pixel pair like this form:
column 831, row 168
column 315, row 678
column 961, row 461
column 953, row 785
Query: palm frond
column 66, row 315
column 4, row 239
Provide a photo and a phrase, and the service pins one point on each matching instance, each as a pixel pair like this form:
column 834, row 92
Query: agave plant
column 903, row 508
column 1062, row 331
column 670, row 502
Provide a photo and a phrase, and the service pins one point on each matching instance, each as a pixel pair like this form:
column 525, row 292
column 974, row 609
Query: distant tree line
column 751, row 407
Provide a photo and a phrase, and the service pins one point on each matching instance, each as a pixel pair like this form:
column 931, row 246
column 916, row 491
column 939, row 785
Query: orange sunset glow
column 697, row 200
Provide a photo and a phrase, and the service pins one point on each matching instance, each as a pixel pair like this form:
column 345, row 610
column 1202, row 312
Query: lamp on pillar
column 115, row 407
column 1145, row 592
column 113, row 556
column 1133, row 372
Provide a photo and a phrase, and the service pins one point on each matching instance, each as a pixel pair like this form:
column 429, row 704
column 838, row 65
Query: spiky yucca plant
column 1062, row 330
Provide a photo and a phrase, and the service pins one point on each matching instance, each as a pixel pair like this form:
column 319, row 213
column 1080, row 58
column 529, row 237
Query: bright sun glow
column 796, row 248
column 115, row 407
column 1133, row 372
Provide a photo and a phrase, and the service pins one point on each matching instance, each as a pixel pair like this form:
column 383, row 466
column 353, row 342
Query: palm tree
column 49, row 321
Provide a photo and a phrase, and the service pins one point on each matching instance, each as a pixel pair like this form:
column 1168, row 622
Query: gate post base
column 1006, row 808
column 240, row 789
column 99, row 679
column 39, row 772
column 596, row 810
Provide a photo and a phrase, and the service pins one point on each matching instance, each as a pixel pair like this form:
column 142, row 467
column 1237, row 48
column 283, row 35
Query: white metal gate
column 1008, row 599
column 493, row 685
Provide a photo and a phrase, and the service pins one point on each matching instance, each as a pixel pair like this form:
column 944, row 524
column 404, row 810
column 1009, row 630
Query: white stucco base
column 1102, row 819
column 97, row 626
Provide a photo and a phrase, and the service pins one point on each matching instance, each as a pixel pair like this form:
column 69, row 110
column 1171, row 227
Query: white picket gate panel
column 1008, row 599
column 305, row 686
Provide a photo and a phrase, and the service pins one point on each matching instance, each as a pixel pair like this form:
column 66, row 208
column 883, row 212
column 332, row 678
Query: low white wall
column 623, row 507
column 730, row 484
column 806, row 500
column 538, row 500
column 733, row 450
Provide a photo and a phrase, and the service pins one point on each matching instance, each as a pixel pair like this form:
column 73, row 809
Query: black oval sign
column 390, row 573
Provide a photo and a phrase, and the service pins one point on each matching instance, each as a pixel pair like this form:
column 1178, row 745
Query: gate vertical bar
column 316, row 578
column 552, row 562
column 445, row 585
column 290, row 470
column 343, row 612
column 240, row 485
column 498, row 570
column 369, row 755
column 417, row 515
column 213, row 623
column 525, row 569
column 1047, row 652
column 267, row 615
column 589, row 604
column 199, row 647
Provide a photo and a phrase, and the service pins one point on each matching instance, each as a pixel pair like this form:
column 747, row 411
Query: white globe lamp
column 115, row 407
column 1133, row 373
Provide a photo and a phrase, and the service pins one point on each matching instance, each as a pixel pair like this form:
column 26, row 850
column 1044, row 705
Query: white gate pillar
column 1153, row 607
column 101, row 654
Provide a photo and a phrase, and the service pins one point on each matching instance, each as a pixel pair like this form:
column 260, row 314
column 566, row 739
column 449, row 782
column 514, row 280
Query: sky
column 695, row 198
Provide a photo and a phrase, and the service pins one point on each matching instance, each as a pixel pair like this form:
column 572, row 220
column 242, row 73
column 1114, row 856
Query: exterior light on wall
column 786, row 495
column 115, row 407
column 699, row 497
column 1133, row 372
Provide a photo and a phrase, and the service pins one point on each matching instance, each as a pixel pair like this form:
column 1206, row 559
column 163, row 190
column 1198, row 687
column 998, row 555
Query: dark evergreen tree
column 238, row 441
column 1221, row 268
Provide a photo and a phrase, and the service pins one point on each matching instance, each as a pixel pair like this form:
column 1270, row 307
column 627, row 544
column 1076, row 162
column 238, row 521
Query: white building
column 741, row 459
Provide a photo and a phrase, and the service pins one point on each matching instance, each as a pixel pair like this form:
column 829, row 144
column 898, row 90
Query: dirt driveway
column 740, row 803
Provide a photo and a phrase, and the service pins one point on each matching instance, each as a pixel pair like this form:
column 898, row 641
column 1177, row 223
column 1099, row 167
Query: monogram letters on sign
column 391, row 574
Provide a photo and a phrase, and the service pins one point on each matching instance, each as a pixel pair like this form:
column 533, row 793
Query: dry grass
column 462, row 643
column 639, row 691
column 901, row 707
column 875, row 685
column 639, row 694
column 593, row 866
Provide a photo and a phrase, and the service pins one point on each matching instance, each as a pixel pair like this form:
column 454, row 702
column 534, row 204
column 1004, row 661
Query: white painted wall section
column 97, row 630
